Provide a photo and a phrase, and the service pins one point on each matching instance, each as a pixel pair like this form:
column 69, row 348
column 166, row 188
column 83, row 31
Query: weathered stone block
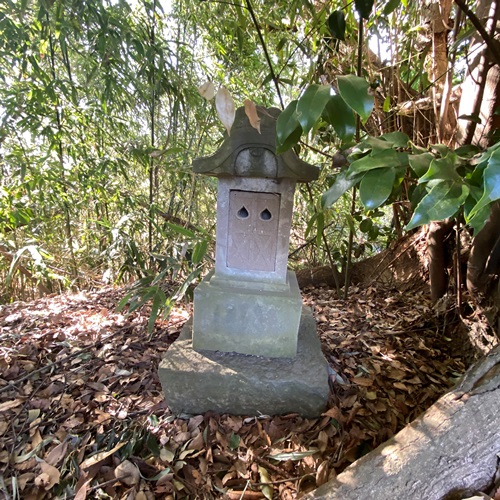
column 247, row 318
column 196, row 382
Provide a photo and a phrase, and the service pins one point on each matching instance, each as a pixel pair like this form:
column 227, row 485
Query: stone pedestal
column 247, row 317
column 199, row 381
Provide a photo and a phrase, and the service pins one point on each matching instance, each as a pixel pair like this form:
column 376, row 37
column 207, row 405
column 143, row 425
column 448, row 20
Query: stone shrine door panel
column 253, row 230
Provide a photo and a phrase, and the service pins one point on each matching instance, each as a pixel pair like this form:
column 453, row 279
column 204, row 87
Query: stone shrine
column 250, row 348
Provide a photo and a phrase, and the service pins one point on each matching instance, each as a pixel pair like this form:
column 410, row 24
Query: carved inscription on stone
column 252, row 230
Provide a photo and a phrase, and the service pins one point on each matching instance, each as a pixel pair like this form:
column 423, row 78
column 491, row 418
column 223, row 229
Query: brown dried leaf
column 99, row 457
column 363, row 381
column 49, row 477
column 57, row 454
column 207, row 90
column 8, row 405
column 251, row 112
column 322, row 473
column 224, row 105
column 127, row 473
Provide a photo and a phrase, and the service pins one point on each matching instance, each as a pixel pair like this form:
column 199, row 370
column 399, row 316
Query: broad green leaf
column 338, row 114
column 364, row 7
column 343, row 182
column 376, row 186
column 420, row 163
column 234, row 441
column 365, row 225
column 442, row 168
column 396, row 139
column 441, row 202
column 288, row 129
column 311, row 105
column 391, row 6
column 467, row 151
column 383, row 159
column 442, row 149
column 354, row 91
column 479, row 220
column 374, row 144
column 491, row 192
column 336, row 24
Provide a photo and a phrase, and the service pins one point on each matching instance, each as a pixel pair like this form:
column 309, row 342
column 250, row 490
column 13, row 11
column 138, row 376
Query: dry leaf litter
column 82, row 413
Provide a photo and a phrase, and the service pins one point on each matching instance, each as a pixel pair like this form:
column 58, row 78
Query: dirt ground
column 82, row 413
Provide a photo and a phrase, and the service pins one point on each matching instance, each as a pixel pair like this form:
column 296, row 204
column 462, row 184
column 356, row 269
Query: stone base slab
column 239, row 319
column 196, row 382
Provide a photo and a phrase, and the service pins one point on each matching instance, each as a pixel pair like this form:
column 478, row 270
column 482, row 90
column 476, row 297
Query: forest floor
column 82, row 413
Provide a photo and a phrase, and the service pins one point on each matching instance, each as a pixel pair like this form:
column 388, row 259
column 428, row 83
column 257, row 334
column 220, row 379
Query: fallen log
column 450, row 452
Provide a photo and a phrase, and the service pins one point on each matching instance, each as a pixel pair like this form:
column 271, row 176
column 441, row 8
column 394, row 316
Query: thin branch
column 490, row 42
column 266, row 53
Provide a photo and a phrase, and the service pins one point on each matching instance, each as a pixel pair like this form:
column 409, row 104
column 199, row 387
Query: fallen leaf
column 266, row 489
column 57, row 454
column 49, row 477
column 8, row 405
column 127, row 473
column 363, row 381
column 294, row 455
column 225, row 108
column 251, row 112
column 322, row 473
column 99, row 457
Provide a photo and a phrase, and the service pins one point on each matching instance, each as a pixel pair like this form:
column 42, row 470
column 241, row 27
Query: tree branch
column 490, row 42
column 266, row 53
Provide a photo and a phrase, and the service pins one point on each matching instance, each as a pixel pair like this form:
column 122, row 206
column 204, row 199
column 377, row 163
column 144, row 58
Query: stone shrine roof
column 246, row 153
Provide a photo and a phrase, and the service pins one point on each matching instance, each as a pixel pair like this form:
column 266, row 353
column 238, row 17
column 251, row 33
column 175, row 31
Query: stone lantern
column 250, row 347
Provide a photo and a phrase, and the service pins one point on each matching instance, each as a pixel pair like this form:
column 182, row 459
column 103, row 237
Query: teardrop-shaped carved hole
column 265, row 214
column 243, row 212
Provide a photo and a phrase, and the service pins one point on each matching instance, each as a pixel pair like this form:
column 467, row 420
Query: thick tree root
column 450, row 452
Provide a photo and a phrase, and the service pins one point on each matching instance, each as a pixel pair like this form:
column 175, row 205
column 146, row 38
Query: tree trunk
column 436, row 248
column 450, row 452
column 484, row 259
column 481, row 85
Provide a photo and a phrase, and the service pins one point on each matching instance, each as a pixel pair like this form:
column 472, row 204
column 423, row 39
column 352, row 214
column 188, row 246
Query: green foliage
column 449, row 183
column 320, row 101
